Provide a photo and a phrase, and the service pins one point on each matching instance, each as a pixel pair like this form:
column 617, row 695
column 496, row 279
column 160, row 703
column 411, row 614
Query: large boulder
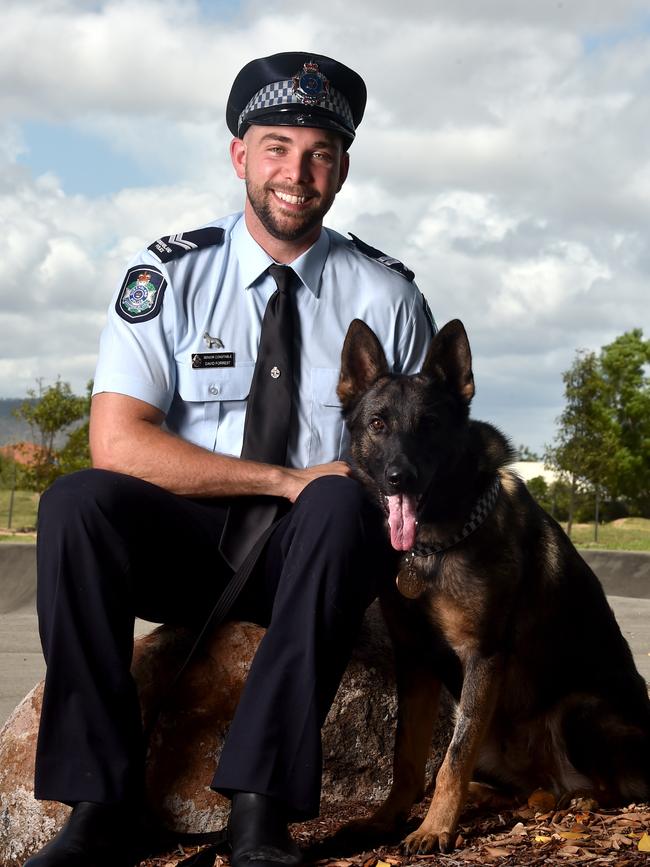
column 189, row 723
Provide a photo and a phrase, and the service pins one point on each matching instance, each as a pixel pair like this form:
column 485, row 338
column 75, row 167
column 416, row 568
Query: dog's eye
column 376, row 424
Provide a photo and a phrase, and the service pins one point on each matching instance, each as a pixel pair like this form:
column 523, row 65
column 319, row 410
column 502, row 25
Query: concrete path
column 22, row 666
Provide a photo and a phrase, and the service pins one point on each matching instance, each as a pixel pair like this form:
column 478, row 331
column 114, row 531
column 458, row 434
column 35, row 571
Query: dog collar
column 479, row 513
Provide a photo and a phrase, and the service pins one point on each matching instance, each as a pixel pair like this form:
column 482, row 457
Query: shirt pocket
column 213, row 402
column 328, row 435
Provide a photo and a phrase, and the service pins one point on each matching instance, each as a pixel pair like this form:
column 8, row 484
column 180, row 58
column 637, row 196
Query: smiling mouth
column 291, row 199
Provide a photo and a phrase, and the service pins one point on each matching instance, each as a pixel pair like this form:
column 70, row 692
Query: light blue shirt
column 221, row 291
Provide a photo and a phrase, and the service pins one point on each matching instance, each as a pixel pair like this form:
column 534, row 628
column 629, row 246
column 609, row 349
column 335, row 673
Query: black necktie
column 268, row 413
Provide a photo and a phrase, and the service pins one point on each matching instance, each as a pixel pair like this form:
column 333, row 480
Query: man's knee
column 75, row 494
column 338, row 512
column 336, row 498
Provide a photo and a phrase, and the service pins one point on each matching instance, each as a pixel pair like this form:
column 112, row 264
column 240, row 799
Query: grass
column 627, row 534
column 23, row 519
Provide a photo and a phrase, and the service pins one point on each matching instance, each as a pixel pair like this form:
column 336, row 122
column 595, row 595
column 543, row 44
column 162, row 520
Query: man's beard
column 288, row 226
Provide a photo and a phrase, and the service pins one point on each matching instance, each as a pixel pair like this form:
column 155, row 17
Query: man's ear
column 238, row 157
column 344, row 168
column 362, row 362
column 449, row 360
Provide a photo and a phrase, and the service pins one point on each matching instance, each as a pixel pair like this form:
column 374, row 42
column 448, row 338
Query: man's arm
column 126, row 437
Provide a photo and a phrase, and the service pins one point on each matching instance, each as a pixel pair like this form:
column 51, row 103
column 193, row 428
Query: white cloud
column 503, row 156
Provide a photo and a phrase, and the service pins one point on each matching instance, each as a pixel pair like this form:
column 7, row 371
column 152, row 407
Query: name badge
column 202, row 360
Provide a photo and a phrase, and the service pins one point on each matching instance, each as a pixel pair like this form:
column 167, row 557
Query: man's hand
column 294, row 481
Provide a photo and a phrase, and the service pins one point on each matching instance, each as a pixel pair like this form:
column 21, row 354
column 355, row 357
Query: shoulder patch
column 388, row 261
column 141, row 295
column 174, row 246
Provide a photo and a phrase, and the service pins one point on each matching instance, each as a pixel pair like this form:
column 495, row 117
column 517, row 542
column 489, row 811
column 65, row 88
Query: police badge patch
column 141, row 295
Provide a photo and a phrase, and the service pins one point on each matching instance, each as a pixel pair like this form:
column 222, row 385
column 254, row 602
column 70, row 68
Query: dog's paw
column 423, row 841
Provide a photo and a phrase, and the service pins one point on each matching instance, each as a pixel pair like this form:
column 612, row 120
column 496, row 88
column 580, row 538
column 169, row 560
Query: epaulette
column 174, row 246
column 388, row 261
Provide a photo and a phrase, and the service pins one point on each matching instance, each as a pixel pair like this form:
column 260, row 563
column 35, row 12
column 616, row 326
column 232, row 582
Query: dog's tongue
column 401, row 519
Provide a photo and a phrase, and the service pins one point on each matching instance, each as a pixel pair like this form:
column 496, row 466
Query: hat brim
column 294, row 115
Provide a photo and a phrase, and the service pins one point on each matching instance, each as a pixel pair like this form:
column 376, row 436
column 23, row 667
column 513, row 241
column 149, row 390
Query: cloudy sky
column 504, row 157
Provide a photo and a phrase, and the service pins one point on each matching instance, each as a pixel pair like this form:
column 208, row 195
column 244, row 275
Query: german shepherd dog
column 492, row 600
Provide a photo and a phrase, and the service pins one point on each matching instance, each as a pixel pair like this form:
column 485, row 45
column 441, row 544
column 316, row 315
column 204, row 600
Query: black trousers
column 112, row 548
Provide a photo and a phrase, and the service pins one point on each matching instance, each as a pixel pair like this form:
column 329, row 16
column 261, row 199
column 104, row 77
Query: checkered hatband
column 282, row 93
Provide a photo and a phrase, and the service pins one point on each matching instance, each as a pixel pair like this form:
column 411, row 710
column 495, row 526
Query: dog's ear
column 362, row 361
column 449, row 360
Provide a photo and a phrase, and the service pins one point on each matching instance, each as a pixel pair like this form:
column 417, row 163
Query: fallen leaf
column 542, row 838
column 542, row 801
column 526, row 813
column 519, row 830
column 621, row 840
column 572, row 835
column 382, row 864
column 465, row 855
column 496, row 851
column 565, row 851
column 644, row 843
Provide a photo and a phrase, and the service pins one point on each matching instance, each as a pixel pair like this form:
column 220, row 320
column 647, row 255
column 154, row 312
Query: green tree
column 586, row 439
column 75, row 454
column 50, row 413
column 539, row 489
column 624, row 365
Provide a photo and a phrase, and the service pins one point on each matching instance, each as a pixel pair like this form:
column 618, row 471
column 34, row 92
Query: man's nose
column 297, row 168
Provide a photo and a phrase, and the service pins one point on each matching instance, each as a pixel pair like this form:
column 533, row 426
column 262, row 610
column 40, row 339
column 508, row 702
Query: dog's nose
column 398, row 477
column 393, row 477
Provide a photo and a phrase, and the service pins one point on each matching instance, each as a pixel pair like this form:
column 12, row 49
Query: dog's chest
column 453, row 603
column 455, row 621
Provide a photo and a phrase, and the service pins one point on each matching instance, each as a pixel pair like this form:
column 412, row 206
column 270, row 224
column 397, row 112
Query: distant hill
column 12, row 429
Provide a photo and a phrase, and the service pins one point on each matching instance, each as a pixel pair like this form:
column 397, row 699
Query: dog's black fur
column 510, row 619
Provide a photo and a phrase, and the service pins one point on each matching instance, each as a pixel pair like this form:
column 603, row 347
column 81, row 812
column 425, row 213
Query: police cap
column 297, row 88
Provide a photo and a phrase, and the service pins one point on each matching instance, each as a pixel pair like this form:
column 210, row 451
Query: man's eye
column 377, row 425
column 323, row 157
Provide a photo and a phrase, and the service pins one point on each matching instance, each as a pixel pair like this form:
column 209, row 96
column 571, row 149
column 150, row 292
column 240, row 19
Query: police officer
column 173, row 414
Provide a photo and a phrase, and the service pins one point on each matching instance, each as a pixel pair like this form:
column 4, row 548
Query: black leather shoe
column 258, row 833
column 95, row 835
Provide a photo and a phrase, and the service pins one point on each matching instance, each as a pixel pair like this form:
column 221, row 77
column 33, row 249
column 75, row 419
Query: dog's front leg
column 418, row 691
column 477, row 701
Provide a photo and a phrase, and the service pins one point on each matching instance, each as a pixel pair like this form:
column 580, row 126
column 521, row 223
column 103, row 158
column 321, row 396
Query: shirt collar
column 254, row 261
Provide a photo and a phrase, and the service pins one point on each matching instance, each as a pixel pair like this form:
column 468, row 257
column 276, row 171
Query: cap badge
column 310, row 86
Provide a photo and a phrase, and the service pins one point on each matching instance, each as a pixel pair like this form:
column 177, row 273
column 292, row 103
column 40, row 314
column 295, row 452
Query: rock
column 189, row 722
column 25, row 824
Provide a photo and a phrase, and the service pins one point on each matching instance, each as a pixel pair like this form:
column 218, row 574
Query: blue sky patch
column 638, row 27
column 86, row 164
column 224, row 10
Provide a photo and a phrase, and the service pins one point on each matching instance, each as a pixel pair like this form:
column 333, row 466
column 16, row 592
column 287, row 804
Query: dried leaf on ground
column 644, row 843
column 514, row 837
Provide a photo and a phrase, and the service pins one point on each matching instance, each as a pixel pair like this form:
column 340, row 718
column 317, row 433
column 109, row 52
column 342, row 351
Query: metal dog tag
column 409, row 582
